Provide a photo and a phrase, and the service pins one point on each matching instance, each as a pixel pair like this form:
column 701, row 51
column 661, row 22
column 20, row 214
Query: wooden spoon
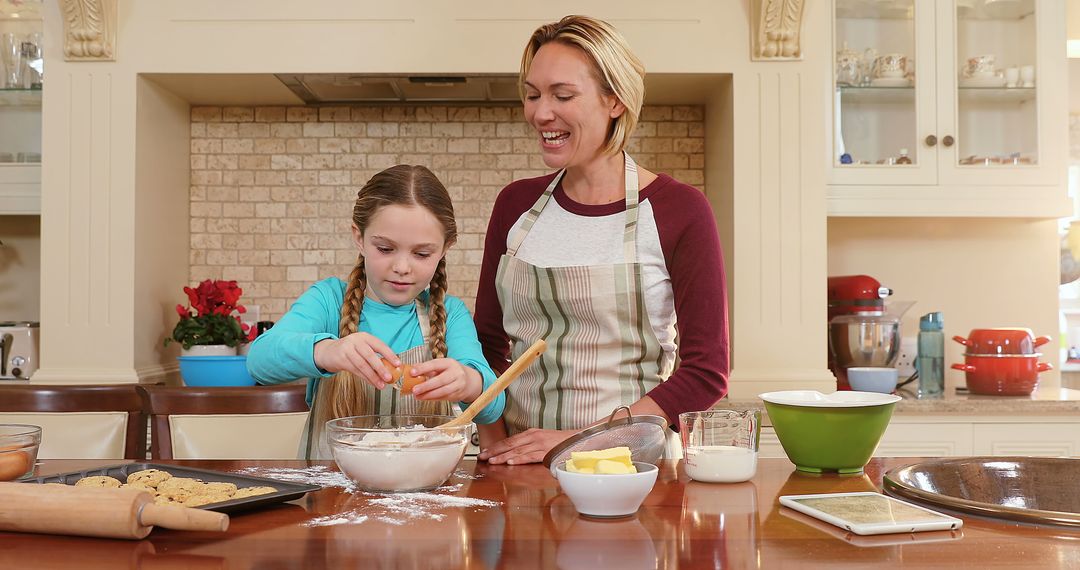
column 499, row 385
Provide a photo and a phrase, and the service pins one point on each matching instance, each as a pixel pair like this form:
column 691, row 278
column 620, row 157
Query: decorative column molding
column 89, row 30
column 777, row 26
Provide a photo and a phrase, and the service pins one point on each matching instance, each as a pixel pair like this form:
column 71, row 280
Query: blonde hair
column 403, row 185
column 615, row 67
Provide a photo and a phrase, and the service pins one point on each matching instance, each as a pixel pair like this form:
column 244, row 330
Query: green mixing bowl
column 829, row 432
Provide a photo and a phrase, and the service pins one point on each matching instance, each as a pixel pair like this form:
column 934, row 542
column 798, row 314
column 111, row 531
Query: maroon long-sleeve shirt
column 694, row 265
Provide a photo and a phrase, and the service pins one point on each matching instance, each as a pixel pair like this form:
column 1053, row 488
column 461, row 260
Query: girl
column 394, row 306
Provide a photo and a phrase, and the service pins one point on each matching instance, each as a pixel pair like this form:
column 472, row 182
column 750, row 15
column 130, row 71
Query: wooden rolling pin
column 88, row 511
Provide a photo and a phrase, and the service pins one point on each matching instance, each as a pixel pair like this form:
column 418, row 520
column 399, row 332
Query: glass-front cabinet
column 21, row 82
column 941, row 107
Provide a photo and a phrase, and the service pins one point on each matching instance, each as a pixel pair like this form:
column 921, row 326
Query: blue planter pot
column 215, row 371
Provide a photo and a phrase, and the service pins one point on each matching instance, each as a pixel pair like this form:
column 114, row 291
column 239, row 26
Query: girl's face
column 565, row 105
column 402, row 246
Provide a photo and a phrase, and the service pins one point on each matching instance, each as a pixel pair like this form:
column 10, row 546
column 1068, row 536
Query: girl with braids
column 394, row 306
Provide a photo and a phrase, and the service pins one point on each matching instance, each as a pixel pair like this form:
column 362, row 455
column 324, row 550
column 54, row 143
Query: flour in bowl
column 399, row 460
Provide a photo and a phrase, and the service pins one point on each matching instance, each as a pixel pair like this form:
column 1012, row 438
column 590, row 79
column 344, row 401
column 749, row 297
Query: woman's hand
column 358, row 353
column 529, row 446
column 447, row 379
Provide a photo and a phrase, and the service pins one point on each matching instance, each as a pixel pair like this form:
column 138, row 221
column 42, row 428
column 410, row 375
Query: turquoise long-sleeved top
column 286, row 352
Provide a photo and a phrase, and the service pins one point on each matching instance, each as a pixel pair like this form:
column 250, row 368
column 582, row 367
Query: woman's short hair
column 615, row 67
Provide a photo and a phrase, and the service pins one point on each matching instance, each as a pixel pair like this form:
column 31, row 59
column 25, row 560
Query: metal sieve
column 646, row 436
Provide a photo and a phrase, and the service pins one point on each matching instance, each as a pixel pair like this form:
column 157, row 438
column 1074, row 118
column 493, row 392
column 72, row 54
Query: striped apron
column 389, row 401
column 602, row 352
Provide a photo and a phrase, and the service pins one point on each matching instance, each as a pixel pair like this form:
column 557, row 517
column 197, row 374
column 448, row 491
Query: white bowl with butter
column 608, row 495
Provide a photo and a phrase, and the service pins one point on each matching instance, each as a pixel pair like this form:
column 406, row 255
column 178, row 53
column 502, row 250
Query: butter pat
column 574, row 468
column 617, row 458
column 608, row 467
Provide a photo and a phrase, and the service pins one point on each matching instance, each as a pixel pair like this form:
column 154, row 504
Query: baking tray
column 287, row 491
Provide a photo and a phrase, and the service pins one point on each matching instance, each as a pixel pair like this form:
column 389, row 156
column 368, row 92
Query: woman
column 603, row 259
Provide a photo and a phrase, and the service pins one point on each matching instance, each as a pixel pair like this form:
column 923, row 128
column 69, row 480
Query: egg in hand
column 404, row 374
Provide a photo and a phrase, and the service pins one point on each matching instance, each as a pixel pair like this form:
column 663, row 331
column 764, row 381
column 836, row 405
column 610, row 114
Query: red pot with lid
column 1005, row 340
column 1002, row 374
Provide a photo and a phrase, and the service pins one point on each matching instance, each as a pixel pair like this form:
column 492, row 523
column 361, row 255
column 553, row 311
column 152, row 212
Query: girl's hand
column 529, row 446
column 358, row 353
column 447, row 379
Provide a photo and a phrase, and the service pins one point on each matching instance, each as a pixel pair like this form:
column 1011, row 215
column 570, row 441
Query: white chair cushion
column 236, row 436
column 76, row 435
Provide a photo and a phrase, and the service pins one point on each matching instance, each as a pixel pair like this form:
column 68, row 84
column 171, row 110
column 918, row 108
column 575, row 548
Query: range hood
column 324, row 88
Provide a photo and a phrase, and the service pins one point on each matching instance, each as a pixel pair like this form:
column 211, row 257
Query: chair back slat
column 81, row 398
column 161, row 402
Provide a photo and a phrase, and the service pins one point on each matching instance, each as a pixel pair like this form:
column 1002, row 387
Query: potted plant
column 208, row 326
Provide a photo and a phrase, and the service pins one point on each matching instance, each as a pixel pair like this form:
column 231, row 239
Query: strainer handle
column 611, row 418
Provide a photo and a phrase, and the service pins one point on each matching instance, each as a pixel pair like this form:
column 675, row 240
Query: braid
column 344, row 397
column 437, row 311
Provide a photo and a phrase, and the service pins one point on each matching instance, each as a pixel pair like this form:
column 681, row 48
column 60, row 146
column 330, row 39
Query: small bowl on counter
column 835, row 432
column 878, row 379
column 394, row 454
column 608, row 495
column 19, row 444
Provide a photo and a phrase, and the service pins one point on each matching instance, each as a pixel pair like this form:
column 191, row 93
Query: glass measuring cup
column 720, row 446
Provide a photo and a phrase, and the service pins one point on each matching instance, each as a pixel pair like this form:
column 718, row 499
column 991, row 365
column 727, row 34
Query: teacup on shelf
column 980, row 66
column 890, row 65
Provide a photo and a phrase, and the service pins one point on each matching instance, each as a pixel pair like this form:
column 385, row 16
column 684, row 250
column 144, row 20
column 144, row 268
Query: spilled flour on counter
column 333, row 520
column 315, row 475
column 401, row 508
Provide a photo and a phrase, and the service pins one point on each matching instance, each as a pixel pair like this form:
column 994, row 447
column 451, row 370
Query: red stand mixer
column 861, row 332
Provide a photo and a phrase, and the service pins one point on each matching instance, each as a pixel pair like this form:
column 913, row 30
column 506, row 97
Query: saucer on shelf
column 991, row 81
column 890, row 82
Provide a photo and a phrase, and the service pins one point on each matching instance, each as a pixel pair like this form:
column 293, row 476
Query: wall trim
column 776, row 30
column 89, row 30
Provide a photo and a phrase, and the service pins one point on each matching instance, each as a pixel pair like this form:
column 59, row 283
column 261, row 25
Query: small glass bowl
column 392, row 454
column 19, row 444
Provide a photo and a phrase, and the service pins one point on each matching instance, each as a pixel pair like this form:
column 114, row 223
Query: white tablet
column 870, row 513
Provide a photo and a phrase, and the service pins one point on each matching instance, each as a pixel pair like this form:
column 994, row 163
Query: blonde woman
column 393, row 306
column 618, row 268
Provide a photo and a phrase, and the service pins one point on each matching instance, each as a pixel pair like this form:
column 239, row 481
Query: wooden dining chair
column 79, row 421
column 251, row 422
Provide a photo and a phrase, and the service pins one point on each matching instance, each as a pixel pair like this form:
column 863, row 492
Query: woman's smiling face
column 565, row 105
column 402, row 246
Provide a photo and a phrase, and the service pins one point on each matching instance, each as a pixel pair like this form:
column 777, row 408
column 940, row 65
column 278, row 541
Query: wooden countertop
column 682, row 524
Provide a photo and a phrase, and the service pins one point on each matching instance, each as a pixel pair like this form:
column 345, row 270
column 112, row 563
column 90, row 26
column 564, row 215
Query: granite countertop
column 1042, row 402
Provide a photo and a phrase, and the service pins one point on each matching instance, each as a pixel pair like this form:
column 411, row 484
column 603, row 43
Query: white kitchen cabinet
column 904, row 439
column 1041, row 439
column 20, row 108
column 769, row 444
column 975, row 146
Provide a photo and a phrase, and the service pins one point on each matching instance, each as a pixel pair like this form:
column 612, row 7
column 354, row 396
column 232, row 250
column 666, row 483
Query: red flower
column 215, row 298
column 213, row 322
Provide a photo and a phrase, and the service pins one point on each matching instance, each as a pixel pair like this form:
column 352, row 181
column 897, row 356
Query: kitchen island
column 516, row 517
column 1045, row 423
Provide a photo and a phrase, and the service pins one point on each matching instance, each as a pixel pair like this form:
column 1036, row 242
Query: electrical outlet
column 905, row 362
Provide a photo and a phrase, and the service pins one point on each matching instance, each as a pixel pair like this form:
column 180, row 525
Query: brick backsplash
column 272, row 188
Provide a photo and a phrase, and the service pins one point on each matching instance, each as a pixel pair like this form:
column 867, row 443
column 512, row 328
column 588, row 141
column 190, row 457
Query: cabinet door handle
column 931, row 140
column 947, row 140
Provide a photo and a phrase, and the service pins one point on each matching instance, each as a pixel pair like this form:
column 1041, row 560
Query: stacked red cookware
column 1002, row 361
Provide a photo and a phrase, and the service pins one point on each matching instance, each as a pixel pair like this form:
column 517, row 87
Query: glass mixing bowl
column 19, row 445
column 387, row 454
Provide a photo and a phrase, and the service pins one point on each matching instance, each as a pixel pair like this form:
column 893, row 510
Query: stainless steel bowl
column 864, row 340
